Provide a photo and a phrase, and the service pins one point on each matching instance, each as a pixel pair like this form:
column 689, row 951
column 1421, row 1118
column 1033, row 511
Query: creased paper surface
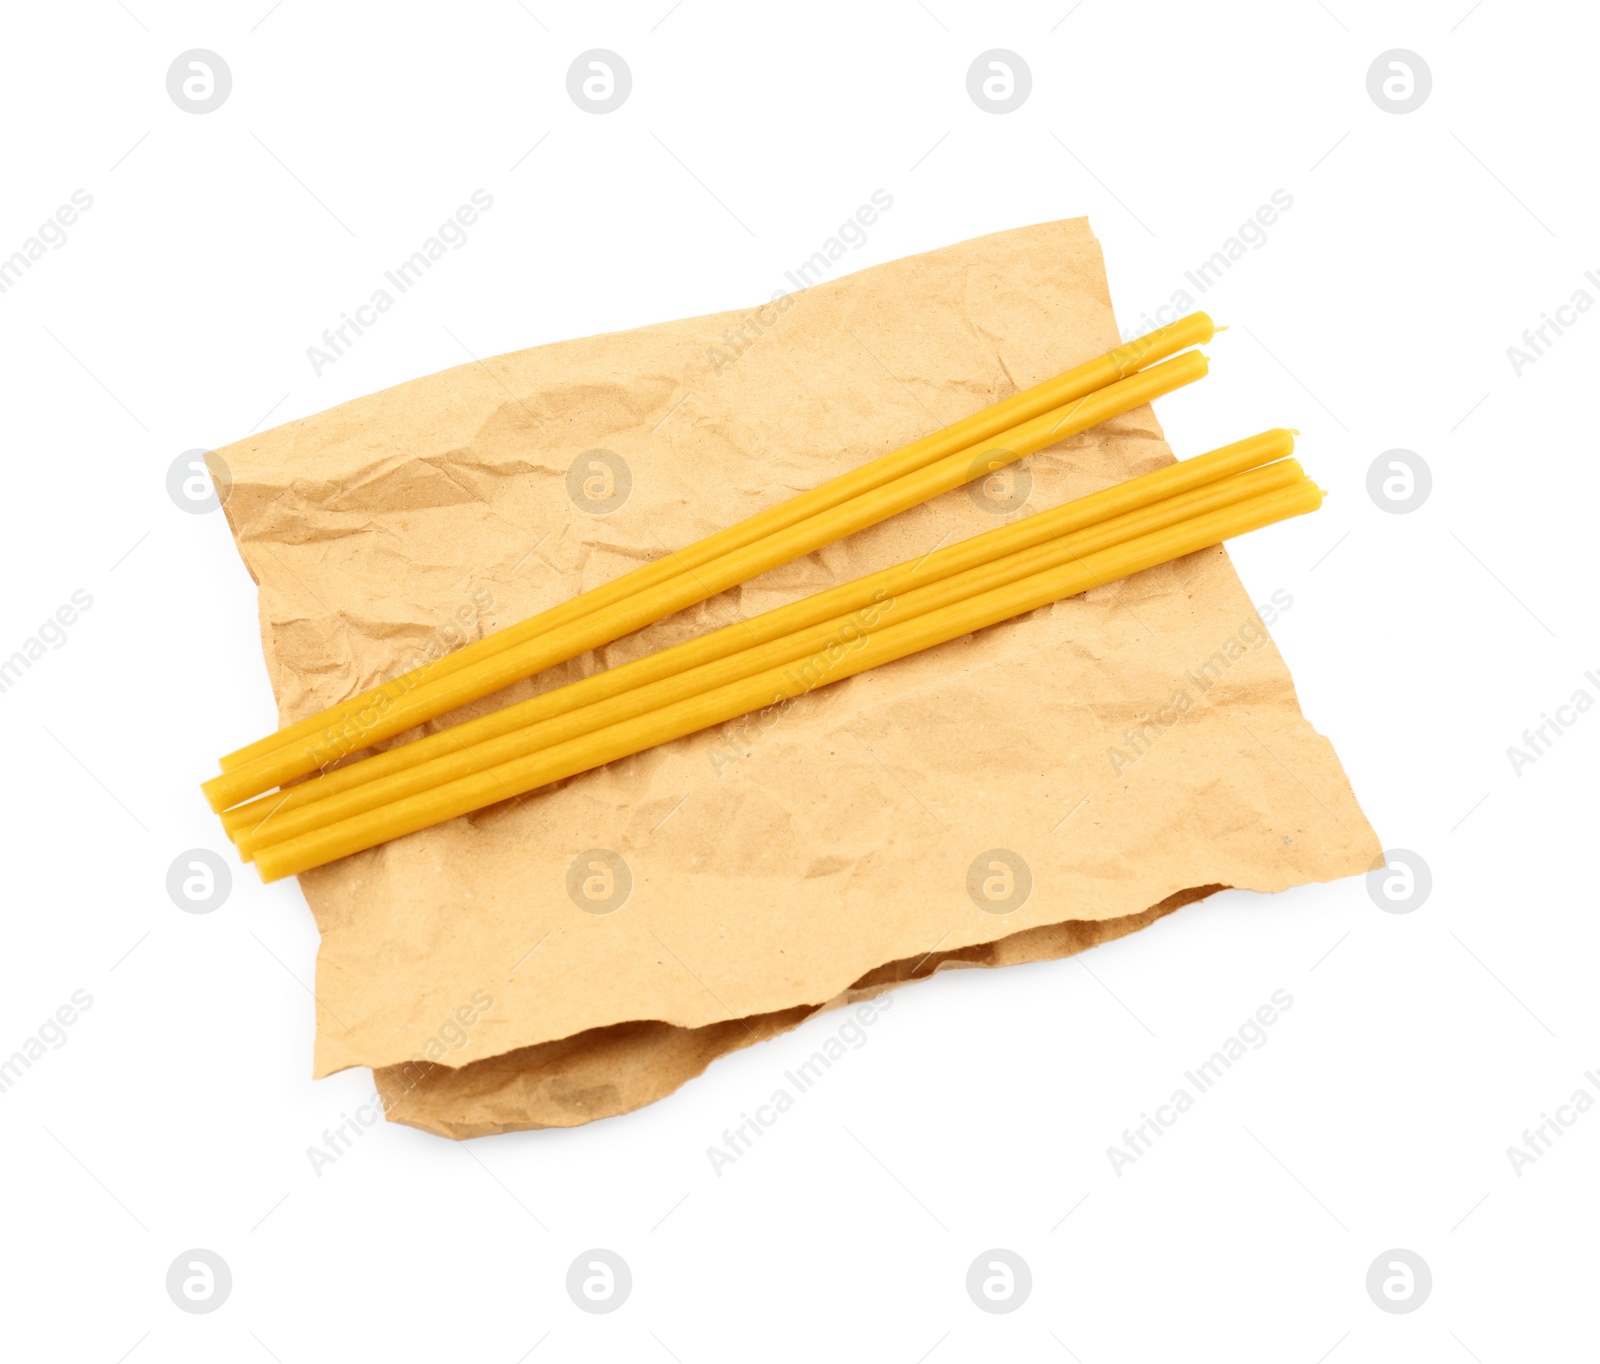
column 1126, row 751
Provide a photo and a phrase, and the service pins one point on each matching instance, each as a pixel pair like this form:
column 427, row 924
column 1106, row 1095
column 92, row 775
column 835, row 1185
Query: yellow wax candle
column 826, row 637
column 774, row 687
column 823, row 606
column 491, row 674
column 1065, row 388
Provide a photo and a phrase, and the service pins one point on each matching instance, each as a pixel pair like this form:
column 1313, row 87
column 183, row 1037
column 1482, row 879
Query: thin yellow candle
column 491, row 674
column 1065, row 388
column 785, row 620
column 775, row 687
column 826, row 637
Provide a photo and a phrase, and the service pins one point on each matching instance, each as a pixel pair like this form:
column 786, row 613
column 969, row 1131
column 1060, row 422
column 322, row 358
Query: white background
column 1376, row 316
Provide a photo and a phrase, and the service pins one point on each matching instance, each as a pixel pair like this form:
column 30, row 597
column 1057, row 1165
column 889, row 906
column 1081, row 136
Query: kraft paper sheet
column 775, row 871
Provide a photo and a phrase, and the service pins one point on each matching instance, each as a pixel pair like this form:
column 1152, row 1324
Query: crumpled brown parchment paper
column 1128, row 751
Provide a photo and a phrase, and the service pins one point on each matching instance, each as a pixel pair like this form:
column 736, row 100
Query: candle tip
column 1215, row 330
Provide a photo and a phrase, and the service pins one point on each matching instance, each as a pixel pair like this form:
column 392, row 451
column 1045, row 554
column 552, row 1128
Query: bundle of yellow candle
column 771, row 660
column 1071, row 403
